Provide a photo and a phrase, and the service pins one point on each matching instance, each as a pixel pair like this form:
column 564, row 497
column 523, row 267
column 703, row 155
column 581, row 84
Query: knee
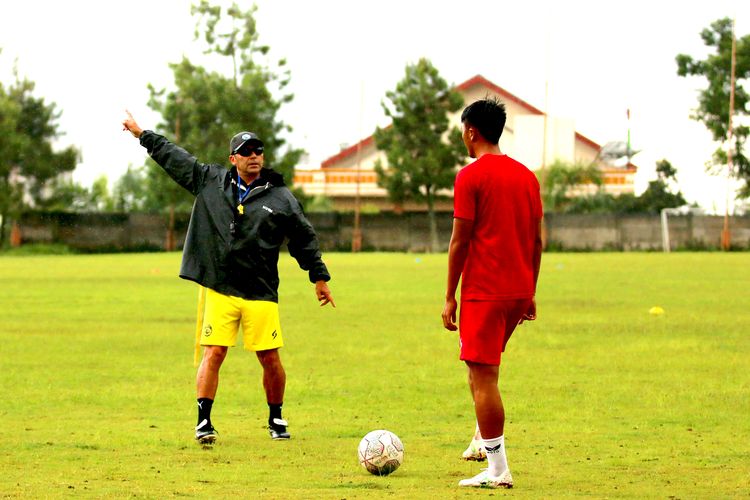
column 270, row 358
column 214, row 356
column 483, row 375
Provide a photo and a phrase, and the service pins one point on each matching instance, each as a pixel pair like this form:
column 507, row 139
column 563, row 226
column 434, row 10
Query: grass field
column 603, row 399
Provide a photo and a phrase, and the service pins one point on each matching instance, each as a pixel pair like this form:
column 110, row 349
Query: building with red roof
column 530, row 136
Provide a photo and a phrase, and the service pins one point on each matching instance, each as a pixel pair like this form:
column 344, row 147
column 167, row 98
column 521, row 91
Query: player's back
column 506, row 213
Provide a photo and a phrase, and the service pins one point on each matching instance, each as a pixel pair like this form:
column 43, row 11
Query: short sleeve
column 464, row 197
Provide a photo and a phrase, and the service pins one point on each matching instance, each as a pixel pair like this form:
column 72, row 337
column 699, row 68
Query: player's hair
column 487, row 116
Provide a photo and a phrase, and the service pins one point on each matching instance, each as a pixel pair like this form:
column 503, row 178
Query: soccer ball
column 381, row 452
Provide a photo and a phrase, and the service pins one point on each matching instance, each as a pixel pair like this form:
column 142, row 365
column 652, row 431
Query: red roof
column 472, row 82
column 480, row 80
column 347, row 152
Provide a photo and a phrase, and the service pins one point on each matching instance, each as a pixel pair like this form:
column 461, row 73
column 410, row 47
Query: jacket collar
column 267, row 175
column 268, row 178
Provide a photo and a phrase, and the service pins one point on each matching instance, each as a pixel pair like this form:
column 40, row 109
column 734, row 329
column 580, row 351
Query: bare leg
column 491, row 417
column 274, row 376
column 487, row 402
column 207, row 379
column 477, row 434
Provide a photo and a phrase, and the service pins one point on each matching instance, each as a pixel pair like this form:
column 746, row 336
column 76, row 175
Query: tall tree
column 422, row 149
column 28, row 164
column 713, row 101
column 208, row 107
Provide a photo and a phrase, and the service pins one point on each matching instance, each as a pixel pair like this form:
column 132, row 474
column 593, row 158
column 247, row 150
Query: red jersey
column 502, row 197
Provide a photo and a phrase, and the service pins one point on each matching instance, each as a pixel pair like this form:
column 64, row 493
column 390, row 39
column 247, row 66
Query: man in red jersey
column 495, row 250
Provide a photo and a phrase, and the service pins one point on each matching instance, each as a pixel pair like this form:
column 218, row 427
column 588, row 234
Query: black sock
column 274, row 411
column 204, row 409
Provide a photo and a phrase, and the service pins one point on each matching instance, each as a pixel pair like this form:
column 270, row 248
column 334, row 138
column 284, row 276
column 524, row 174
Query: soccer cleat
column 205, row 433
column 277, row 429
column 475, row 451
column 484, row 480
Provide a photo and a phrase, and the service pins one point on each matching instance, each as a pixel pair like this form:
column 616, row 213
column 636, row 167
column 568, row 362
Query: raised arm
column 178, row 163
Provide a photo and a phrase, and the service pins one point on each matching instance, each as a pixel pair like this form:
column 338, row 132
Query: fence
column 391, row 232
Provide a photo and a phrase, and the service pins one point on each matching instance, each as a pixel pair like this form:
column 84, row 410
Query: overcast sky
column 95, row 58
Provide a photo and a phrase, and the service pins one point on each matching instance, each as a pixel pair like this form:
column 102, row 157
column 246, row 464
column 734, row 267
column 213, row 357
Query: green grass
column 603, row 399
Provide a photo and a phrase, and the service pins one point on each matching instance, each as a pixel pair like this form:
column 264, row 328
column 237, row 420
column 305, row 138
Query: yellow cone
column 656, row 311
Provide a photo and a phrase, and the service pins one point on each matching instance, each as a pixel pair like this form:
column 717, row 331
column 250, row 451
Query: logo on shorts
column 207, row 331
column 273, row 335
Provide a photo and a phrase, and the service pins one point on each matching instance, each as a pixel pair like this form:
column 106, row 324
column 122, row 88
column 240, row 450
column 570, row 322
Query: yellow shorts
column 261, row 329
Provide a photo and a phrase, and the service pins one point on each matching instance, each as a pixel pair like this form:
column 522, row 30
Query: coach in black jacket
column 240, row 219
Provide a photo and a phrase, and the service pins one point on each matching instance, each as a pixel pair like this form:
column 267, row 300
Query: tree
column 562, row 180
column 713, row 101
column 64, row 195
column 421, row 148
column 658, row 194
column 207, row 107
column 130, row 191
column 28, row 164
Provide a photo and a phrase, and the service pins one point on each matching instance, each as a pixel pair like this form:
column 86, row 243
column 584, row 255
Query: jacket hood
column 272, row 176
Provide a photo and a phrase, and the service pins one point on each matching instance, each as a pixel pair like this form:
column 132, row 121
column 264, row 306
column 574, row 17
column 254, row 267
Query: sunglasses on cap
column 247, row 150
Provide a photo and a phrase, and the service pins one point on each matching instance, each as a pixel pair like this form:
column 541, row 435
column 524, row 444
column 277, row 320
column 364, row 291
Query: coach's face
column 248, row 160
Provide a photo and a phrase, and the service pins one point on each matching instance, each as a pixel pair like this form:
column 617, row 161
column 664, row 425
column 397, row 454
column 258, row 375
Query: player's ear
column 232, row 160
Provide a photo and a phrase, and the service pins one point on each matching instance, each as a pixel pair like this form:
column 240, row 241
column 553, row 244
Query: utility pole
column 628, row 148
column 357, row 231
column 543, row 176
column 726, row 237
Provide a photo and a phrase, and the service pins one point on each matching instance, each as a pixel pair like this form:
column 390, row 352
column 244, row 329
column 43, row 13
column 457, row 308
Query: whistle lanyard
column 241, row 196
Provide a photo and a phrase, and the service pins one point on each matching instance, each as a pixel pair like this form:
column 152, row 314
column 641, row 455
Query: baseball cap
column 239, row 139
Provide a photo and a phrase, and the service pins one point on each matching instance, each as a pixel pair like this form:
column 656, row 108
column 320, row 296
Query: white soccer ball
column 381, row 452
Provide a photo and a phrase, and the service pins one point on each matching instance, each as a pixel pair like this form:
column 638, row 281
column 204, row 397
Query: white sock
column 497, row 463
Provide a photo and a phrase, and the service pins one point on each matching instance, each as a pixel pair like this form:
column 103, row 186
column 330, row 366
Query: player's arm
column 537, row 257
column 458, row 249
column 536, row 262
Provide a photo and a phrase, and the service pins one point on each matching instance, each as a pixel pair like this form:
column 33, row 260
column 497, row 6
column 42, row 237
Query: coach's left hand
column 323, row 293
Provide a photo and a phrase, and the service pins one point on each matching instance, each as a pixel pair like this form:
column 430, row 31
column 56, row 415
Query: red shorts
column 486, row 326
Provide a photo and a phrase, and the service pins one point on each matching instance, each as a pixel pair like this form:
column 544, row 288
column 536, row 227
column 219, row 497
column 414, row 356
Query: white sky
column 95, row 58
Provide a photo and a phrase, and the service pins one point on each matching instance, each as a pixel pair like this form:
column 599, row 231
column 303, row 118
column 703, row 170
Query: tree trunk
column 2, row 229
column 434, row 243
column 15, row 235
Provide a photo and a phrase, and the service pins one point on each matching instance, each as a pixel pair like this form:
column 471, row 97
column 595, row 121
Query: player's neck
column 487, row 149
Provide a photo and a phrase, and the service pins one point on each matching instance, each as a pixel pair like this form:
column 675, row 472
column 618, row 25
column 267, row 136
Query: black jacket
column 232, row 253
